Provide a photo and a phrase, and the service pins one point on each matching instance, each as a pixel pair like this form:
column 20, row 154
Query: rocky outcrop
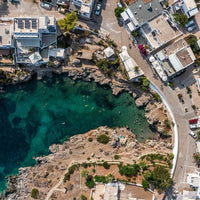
column 50, row 169
column 143, row 100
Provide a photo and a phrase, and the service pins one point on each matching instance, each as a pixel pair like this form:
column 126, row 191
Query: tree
column 83, row 197
column 34, row 193
column 104, row 139
column 161, row 178
column 118, row 11
column 106, row 165
column 68, row 22
column 145, row 184
column 129, row 170
column 145, row 83
column 198, row 134
column 147, row 174
column 89, row 182
column 192, row 41
column 181, row 18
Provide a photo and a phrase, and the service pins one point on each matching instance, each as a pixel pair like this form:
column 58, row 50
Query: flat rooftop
column 160, row 29
column 134, row 192
column 184, row 57
column 26, row 25
column 5, row 33
column 145, row 10
column 174, row 47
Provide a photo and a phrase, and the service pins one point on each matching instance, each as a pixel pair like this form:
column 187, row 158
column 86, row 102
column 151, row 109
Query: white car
column 98, row 9
column 46, row 5
column 193, row 134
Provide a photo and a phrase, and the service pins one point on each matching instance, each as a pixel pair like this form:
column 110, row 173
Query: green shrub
column 116, row 157
column 181, row 18
column 90, row 139
column 161, row 178
column 101, row 179
column 129, row 170
column 66, row 177
column 118, row 11
column 104, row 139
column 145, row 184
column 171, row 156
column 84, row 173
column 106, row 165
column 34, row 193
column 83, row 197
column 89, row 182
column 157, row 97
column 167, row 123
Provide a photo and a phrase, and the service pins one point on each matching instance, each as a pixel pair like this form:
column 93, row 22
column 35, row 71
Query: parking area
column 26, row 8
column 107, row 20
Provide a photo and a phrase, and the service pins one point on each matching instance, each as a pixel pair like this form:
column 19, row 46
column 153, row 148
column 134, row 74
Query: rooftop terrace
column 5, row 33
column 158, row 31
column 145, row 10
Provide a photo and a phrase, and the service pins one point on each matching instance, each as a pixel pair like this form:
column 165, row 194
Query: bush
column 100, row 179
column 181, row 18
column 84, row 173
column 192, row 41
column 90, row 139
column 171, row 156
column 34, row 193
column 161, row 178
column 116, row 157
column 83, row 197
column 106, row 165
column 145, row 184
column 157, row 97
column 129, row 170
column 89, row 182
column 147, row 175
column 66, row 177
column 118, row 11
column 167, row 123
column 104, row 139
column 145, row 83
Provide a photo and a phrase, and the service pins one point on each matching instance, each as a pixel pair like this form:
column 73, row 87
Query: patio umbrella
column 151, row 59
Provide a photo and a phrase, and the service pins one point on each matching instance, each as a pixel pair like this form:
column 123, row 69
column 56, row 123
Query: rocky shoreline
column 49, row 169
column 155, row 113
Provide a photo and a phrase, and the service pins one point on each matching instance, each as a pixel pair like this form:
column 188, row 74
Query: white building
column 175, row 58
column 109, row 53
column 28, row 36
column 188, row 7
column 133, row 71
column 194, row 182
column 82, row 7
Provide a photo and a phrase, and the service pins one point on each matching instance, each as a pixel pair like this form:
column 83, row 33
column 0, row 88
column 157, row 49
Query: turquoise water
column 38, row 113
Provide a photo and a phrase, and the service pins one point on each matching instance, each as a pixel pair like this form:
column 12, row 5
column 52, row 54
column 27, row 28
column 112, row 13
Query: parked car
column 193, row 134
column 191, row 28
column 190, row 23
column 61, row 10
column 98, row 9
column 46, row 5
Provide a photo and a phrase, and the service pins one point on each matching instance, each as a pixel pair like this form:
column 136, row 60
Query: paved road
column 185, row 161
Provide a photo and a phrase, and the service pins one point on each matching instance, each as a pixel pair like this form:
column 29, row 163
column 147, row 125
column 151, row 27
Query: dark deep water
column 38, row 113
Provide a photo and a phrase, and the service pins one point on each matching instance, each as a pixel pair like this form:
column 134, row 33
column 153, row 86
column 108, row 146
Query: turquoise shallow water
column 38, row 113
